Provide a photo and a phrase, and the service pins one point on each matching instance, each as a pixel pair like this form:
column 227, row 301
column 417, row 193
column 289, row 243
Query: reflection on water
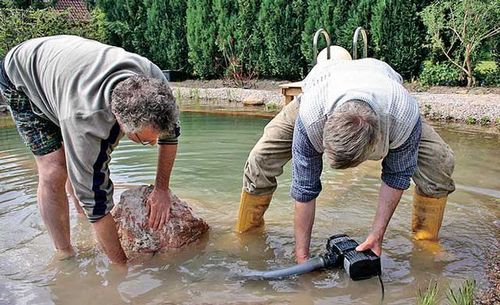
column 207, row 173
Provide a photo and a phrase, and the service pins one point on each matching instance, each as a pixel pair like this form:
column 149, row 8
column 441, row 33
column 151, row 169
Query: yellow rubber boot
column 427, row 216
column 252, row 209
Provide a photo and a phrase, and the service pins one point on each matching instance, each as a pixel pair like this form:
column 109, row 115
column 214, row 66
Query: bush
column 247, row 39
column 398, row 36
column 487, row 74
column 281, row 23
column 95, row 28
column 439, row 74
column 166, row 33
column 317, row 15
column 339, row 18
column 17, row 25
column 126, row 24
column 237, row 39
column 458, row 29
column 203, row 54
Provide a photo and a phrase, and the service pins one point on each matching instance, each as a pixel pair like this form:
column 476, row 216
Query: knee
column 447, row 160
column 254, row 158
column 53, row 174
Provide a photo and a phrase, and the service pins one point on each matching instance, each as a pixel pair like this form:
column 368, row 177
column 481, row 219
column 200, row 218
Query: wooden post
column 290, row 91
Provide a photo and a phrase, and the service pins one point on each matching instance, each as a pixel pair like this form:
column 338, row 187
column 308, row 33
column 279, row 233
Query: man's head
column 350, row 134
column 144, row 107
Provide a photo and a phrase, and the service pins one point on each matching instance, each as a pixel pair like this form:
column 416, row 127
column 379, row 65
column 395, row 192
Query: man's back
column 69, row 75
column 330, row 85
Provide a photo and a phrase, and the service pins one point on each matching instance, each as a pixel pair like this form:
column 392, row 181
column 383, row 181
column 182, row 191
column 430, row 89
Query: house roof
column 77, row 8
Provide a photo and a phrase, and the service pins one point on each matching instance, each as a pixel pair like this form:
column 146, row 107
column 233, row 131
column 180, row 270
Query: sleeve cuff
column 302, row 195
column 396, row 182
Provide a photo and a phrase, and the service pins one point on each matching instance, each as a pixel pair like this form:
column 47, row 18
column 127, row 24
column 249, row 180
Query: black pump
column 340, row 253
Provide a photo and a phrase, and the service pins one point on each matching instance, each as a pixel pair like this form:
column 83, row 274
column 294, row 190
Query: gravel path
column 469, row 108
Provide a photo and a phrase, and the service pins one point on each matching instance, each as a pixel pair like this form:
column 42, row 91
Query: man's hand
column 158, row 205
column 372, row 242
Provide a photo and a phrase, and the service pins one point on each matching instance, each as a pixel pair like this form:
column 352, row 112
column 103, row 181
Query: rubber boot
column 252, row 209
column 427, row 216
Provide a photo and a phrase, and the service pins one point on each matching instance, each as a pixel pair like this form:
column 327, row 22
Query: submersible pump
column 340, row 252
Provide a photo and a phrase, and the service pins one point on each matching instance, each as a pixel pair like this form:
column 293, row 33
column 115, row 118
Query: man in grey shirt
column 73, row 99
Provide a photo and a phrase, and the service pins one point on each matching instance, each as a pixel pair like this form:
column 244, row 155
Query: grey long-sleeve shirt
column 70, row 79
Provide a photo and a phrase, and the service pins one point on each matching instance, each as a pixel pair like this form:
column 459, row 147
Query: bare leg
column 52, row 200
column 71, row 194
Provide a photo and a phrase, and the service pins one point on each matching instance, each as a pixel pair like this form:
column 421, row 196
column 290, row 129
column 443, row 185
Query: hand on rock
column 158, row 205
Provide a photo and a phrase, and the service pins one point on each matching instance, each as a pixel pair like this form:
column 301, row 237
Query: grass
column 464, row 295
column 272, row 107
column 429, row 296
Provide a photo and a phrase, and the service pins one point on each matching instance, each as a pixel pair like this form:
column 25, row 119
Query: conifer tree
column 165, row 33
column 319, row 14
column 201, row 37
column 282, row 24
column 397, row 36
column 248, row 36
column 126, row 24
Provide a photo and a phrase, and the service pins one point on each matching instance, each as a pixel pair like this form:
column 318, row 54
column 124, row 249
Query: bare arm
column 387, row 202
column 107, row 236
column 304, row 220
column 159, row 200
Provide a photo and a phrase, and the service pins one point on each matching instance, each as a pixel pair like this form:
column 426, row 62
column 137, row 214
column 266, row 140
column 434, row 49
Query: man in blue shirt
column 350, row 112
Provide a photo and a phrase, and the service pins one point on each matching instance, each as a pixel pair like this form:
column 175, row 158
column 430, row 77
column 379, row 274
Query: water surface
column 207, row 173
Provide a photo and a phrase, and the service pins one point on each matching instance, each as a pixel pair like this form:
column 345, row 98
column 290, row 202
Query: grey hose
column 310, row 265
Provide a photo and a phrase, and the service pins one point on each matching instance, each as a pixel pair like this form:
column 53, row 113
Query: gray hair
column 350, row 134
column 142, row 101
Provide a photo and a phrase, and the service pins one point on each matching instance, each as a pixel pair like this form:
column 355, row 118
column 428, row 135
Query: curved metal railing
column 355, row 39
column 315, row 44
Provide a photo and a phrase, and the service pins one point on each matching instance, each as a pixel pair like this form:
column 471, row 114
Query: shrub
column 165, row 33
column 397, row 36
column 281, row 23
column 458, row 29
column 439, row 74
column 339, row 18
column 17, row 25
column 317, row 15
column 488, row 75
column 237, row 39
column 247, row 36
column 126, row 24
column 203, row 54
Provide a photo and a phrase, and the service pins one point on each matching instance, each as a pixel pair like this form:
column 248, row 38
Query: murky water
column 208, row 174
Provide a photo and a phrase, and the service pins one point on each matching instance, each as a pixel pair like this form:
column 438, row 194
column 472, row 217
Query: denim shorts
column 40, row 134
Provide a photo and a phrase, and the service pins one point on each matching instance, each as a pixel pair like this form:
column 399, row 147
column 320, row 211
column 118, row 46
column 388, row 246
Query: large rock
column 130, row 215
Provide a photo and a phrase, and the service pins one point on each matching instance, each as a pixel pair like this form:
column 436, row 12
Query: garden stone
column 130, row 215
column 253, row 101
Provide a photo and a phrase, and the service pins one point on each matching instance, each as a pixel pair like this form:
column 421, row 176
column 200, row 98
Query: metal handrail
column 355, row 43
column 315, row 44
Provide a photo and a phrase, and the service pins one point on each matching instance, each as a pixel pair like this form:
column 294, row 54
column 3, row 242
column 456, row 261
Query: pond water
column 207, row 174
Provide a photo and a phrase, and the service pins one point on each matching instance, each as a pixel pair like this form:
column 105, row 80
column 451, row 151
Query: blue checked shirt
column 307, row 164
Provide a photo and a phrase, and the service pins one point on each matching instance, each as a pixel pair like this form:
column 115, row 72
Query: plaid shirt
column 307, row 164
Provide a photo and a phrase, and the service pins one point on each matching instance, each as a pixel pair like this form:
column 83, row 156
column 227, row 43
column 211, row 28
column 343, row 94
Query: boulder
column 130, row 215
column 253, row 100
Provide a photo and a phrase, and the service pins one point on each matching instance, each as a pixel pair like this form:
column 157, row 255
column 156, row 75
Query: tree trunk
column 468, row 65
